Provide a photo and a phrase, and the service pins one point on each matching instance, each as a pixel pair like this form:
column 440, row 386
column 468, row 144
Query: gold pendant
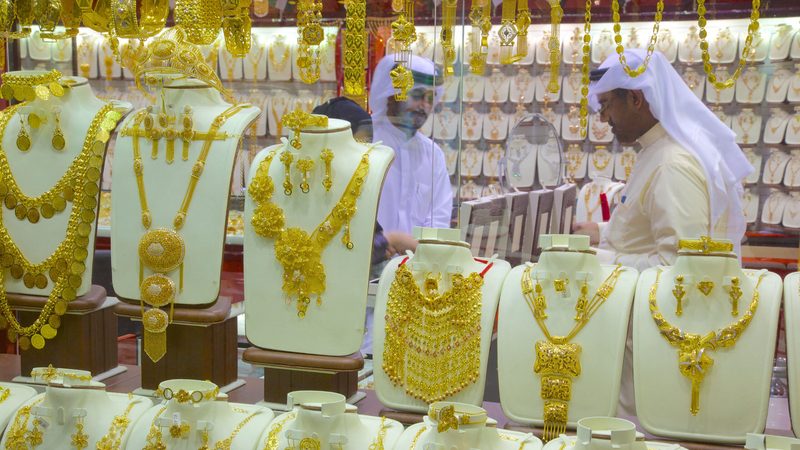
column 155, row 322
column 678, row 292
column 694, row 363
column 705, row 286
column 161, row 250
column 556, row 364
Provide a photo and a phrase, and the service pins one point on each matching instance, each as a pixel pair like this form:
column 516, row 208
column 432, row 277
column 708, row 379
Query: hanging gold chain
column 633, row 73
column 752, row 28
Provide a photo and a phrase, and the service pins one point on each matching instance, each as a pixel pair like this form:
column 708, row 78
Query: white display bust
column 521, row 161
column 772, row 210
column 522, row 87
column 543, row 94
column 667, row 45
column 791, row 177
column 603, row 46
column 576, row 162
column 439, row 251
column 759, row 48
column 791, row 292
column 495, row 124
column 734, row 394
column 747, row 126
column 795, row 51
column 781, row 42
column 572, row 87
column 793, row 128
column 334, row 326
column 471, row 161
column 549, row 162
column 750, row 86
column 599, row 131
column 451, row 88
column 571, row 125
column 445, row 124
column 496, row 87
column 750, row 205
column 14, row 395
column 722, row 47
column 689, row 48
column 279, row 58
column 791, row 213
column 471, row 124
column 491, row 160
column 601, row 163
column 755, row 158
column 623, row 163
column 793, row 92
column 714, row 95
column 695, row 81
column 775, row 167
column 473, row 88
column 255, row 63
column 776, row 125
column 778, row 85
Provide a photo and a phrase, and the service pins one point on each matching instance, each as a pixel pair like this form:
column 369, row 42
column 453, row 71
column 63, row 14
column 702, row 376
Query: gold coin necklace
column 66, row 265
column 162, row 250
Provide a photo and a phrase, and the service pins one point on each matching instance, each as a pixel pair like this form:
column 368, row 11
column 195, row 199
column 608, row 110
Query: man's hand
column 399, row 242
column 590, row 229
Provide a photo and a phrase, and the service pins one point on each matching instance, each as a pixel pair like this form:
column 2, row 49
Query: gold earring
column 179, row 431
column 23, row 138
column 539, row 302
column 678, row 292
column 705, row 286
column 305, row 165
column 286, row 159
column 560, row 285
column 327, row 157
column 735, row 293
column 35, row 437
column 152, row 133
column 583, row 299
column 204, row 439
column 58, row 140
column 188, row 131
column 80, row 440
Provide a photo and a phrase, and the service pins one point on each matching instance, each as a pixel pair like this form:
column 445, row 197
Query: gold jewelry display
column 448, row 418
column 51, row 374
column 746, row 50
column 705, row 287
column 182, row 396
column 50, row 12
column 200, row 19
column 305, row 165
column 298, row 252
column 554, row 45
column 237, row 27
column 4, row 393
column 187, row 135
column 66, row 265
column 558, row 360
column 27, row 86
column 58, row 141
column 651, row 46
column 705, row 245
column 298, row 120
column 432, row 348
column 679, row 293
column 377, row 444
column 480, row 17
column 18, row 435
column 22, row 11
column 447, row 35
column 150, row 20
column 416, row 436
column 79, row 439
column 286, row 159
column 179, row 431
column 310, row 35
column 119, row 424
column 162, row 249
column 154, row 439
column 275, row 431
column 355, row 50
column 327, row 158
column 694, row 361
column 404, row 34
column 308, row 443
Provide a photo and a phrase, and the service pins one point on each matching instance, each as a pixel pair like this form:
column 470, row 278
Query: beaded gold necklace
column 298, row 252
column 433, row 341
column 113, row 437
column 66, row 265
column 18, row 435
column 155, row 438
column 693, row 349
column 558, row 360
column 162, row 249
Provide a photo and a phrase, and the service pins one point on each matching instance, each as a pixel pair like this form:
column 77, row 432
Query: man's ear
column 637, row 97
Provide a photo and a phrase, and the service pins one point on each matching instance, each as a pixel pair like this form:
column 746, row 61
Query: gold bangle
column 51, row 374
column 151, row 21
column 447, row 417
column 200, row 19
column 95, row 14
column 183, row 396
column 705, row 245
column 26, row 86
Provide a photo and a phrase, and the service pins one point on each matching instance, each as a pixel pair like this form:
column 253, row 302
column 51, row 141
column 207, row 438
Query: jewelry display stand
column 791, row 311
column 522, row 87
column 496, row 87
column 689, row 47
column 491, row 161
column 781, row 42
column 775, row 168
column 766, row 442
column 543, row 94
column 601, row 163
column 695, row 81
column 750, row 205
column 667, row 45
column 602, row 47
column 603, row 433
column 521, row 162
column 747, row 126
column 319, row 419
column 495, row 125
column 791, row 213
column 759, row 48
column 571, row 125
column 595, row 390
column 576, row 163
column 440, row 251
column 473, row 88
column 548, row 162
column 791, row 177
column 732, row 379
column 755, row 159
column 776, row 126
column 279, row 57
column 778, row 86
column 471, row 161
column 774, row 205
column 751, row 86
column 445, row 124
column 599, row 131
column 723, row 45
column 572, row 87
column 471, row 125
column 793, row 128
column 193, row 414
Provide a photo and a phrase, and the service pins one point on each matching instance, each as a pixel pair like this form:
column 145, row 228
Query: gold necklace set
column 66, row 264
column 433, row 340
column 694, row 361
column 558, row 359
column 155, row 437
column 162, row 250
column 297, row 251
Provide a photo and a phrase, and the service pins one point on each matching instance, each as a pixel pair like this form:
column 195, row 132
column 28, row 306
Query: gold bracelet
column 152, row 19
column 447, row 417
column 200, row 19
column 355, row 50
column 95, row 14
column 26, row 86
column 51, row 374
column 705, row 245
column 182, row 396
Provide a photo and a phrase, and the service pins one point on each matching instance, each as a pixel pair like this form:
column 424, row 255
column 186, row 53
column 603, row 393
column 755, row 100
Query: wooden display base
column 201, row 344
column 286, row 372
column 404, row 417
column 86, row 339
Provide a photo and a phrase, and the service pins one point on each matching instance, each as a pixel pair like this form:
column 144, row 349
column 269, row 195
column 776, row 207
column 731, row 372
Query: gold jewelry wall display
column 651, row 46
column 58, row 142
column 705, row 287
column 79, row 439
column 327, row 158
column 161, row 250
column 404, row 34
column 679, row 293
column 305, row 165
column 694, row 360
column 557, row 359
column 18, row 435
column 752, row 28
column 355, row 50
column 705, row 245
column 286, row 159
column 299, row 252
column 200, row 19
column 66, row 265
column 119, row 424
column 432, row 348
column 274, row 434
column 298, row 120
column 735, row 294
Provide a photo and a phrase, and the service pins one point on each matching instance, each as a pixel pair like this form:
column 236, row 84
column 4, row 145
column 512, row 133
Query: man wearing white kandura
column 687, row 179
column 417, row 189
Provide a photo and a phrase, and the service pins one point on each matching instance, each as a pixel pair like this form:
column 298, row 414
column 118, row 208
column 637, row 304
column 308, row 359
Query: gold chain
column 154, row 439
column 274, row 432
column 558, row 360
column 633, row 73
column 18, row 435
column 693, row 359
column 433, row 340
column 297, row 251
column 419, row 432
column 225, row 444
column 120, row 423
column 554, row 45
column 378, row 443
column 587, row 39
column 66, row 265
column 752, row 28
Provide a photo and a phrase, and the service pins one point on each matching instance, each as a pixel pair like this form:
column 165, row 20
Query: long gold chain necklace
column 66, row 265
column 119, row 424
column 162, row 249
column 751, row 30
column 558, row 360
column 693, row 359
column 633, row 73
column 18, row 435
column 433, row 340
column 273, row 437
column 297, row 251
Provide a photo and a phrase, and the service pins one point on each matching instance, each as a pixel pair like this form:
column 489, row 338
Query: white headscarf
column 382, row 89
column 687, row 120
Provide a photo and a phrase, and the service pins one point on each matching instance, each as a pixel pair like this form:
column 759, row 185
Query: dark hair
column 345, row 109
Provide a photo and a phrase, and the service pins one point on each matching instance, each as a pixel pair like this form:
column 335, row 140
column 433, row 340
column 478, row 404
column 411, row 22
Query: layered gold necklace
column 66, row 265
column 162, row 249
column 433, row 341
column 297, row 251
column 693, row 349
column 558, row 360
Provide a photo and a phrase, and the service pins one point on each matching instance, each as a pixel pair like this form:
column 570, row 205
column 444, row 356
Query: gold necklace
column 66, row 265
column 591, row 193
column 225, row 444
column 522, row 81
column 628, row 159
column 774, row 163
column 496, row 81
column 432, row 347
column 278, row 64
column 120, row 423
column 298, row 252
column 598, row 163
column 633, row 73
column 273, row 436
column 558, row 360
column 4, row 393
column 693, row 349
column 162, row 249
column 19, row 437
column 255, row 61
column 751, row 80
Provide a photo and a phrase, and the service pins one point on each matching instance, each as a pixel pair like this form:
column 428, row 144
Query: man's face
column 618, row 108
column 413, row 112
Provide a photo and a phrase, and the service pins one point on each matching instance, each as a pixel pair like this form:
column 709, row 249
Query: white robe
column 417, row 189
